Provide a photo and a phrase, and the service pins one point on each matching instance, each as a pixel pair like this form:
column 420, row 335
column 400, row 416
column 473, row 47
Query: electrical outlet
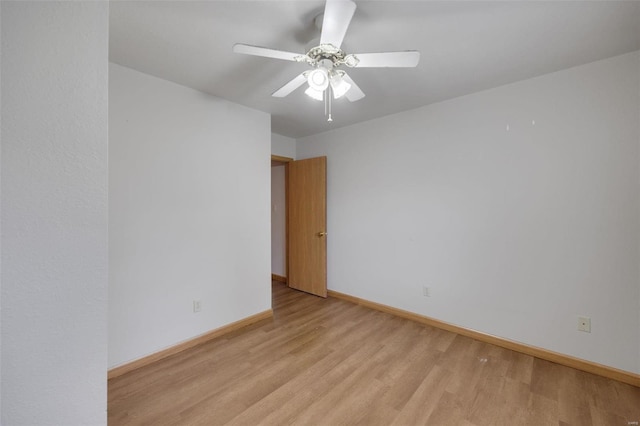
column 584, row 324
column 197, row 306
column 426, row 291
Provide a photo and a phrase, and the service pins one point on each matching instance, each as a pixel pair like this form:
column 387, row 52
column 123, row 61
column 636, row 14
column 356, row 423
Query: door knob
column 322, row 234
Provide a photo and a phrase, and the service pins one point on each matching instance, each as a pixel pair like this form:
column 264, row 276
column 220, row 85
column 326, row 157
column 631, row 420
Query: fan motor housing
column 328, row 52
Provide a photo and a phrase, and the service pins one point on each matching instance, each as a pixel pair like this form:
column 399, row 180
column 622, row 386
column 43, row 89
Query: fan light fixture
column 318, row 95
column 321, row 78
column 338, row 86
column 318, row 79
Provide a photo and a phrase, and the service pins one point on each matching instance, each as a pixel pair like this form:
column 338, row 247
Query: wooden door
column 307, row 225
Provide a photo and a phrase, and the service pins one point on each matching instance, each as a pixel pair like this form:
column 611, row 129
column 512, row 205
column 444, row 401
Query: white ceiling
column 465, row 47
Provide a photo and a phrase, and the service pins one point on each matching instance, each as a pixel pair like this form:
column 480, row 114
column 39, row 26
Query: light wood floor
column 329, row 362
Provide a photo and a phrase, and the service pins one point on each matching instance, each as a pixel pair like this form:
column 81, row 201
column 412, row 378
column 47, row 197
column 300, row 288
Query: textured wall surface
column 54, row 212
column 518, row 207
column 0, row 218
column 189, row 215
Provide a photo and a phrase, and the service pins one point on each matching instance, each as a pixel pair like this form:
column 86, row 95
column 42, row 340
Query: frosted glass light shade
column 339, row 86
column 318, row 78
column 318, row 95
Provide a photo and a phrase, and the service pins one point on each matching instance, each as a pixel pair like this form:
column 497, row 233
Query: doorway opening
column 299, row 222
column 279, row 253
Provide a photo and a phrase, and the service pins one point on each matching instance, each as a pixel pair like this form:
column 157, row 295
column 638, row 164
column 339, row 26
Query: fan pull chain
column 327, row 103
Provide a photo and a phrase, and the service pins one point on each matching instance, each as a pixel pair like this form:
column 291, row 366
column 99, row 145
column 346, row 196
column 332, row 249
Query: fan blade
column 354, row 93
column 290, row 86
column 337, row 16
column 247, row 49
column 406, row 59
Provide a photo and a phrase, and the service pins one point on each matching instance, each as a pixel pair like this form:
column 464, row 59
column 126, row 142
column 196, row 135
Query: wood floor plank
column 541, row 411
column 284, row 405
column 330, row 362
column 405, row 385
column 449, row 411
column 545, row 378
column 521, row 367
column 425, row 399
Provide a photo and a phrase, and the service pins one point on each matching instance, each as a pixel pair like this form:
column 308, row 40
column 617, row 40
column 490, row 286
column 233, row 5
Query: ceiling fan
column 325, row 79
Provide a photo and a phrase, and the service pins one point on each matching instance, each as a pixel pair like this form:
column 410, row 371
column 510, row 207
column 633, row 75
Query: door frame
column 277, row 160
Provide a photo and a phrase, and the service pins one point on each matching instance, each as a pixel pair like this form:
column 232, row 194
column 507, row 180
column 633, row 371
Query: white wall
column 1, row 220
column 189, row 215
column 54, row 212
column 283, row 146
column 278, row 222
column 516, row 227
